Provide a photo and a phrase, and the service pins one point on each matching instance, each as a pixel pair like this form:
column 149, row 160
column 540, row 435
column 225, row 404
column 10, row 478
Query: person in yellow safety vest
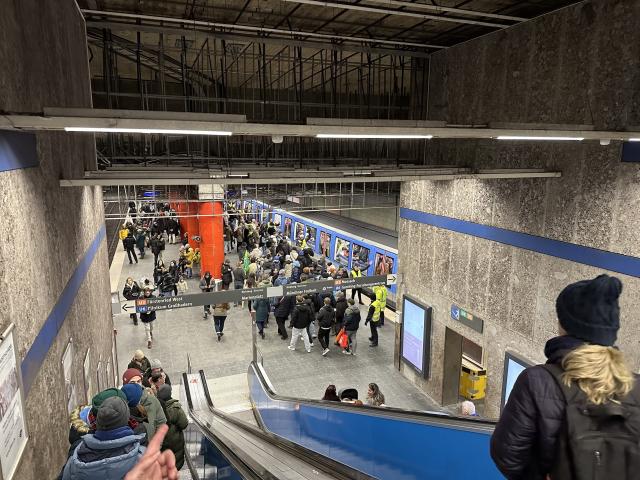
column 381, row 297
column 373, row 319
column 188, row 256
column 356, row 273
column 123, row 233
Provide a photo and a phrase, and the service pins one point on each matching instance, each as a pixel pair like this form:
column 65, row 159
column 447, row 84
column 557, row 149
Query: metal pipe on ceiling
column 230, row 26
column 440, row 9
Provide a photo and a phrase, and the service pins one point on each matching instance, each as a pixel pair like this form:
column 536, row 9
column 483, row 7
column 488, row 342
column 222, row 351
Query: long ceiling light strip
column 147, row 131
column 527, row 137
column 634, row 139
column 371, row 136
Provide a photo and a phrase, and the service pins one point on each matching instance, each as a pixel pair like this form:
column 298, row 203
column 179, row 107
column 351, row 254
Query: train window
column 287, row 227
column 384, row 264
column 341, row 253
column 299, row 233
column 361, row 257
column 277, row 218
column 311, row 235
column 325, row 243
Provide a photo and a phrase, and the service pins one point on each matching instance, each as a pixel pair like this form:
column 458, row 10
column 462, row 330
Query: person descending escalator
column 576, row 417
column 177, row 422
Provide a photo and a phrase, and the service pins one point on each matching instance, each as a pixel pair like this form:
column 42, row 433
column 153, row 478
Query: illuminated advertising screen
column 416, row 335
column 325, row 242
column 513, row 367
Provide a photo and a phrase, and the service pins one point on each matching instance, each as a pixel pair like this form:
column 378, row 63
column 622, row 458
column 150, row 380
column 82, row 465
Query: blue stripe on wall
column 614, row 262
column 17, row 150
column 52, row 325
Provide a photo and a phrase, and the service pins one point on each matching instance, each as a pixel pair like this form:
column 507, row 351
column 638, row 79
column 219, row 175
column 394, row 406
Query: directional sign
column 228, row 296
column 392, row 278
column 128, row 306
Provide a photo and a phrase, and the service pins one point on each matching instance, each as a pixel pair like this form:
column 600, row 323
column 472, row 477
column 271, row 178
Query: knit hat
column 164, row 392
column 99, row 398
column 113, row 414
column 133, row 392
column 138, row 355
column 155, row 363
column 129, row 373
column 589, row 309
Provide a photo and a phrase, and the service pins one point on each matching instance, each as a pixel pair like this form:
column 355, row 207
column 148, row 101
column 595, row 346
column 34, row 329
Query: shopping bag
column 339, row 335
column 344, row 341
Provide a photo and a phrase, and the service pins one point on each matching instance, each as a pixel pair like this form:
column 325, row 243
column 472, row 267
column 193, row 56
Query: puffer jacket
column 285, row 306
column 104, row 459
column 351, row 318
column 326, row 317
column 261, row 306
column 302, row 315
column 523, row 444
column 341, row 307
column 177, row 422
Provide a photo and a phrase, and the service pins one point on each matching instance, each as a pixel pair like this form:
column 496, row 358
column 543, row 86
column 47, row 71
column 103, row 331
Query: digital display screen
column 416, row 335
column 513, row 367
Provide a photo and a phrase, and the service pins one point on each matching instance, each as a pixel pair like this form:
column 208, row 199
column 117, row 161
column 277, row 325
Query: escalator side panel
column 388, row 448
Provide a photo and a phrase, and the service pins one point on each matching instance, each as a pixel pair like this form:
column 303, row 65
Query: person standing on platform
column 220, row 312
column 341, row 307
column 188, row 255
column 123, row 233
column 326, row 318
column 227, row 274
column 157, row 246
column 207, row 284
column 373, row 317
column 238, row 278
column 381, row 298
column 141, row 241
column 356, row 273
column 301, row 317
column 129, row 245
column 148, row 318
column 351, row 324
column 132, row 291
column 262, row 306
column 283, row 308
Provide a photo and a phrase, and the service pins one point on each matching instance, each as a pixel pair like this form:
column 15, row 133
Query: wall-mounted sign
column 466, row 318
column 13, row 431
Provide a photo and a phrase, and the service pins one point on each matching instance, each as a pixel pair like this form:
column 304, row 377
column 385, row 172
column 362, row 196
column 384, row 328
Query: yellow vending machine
column 473, row 380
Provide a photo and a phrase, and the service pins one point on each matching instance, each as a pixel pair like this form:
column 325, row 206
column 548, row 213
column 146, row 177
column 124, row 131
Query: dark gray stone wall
column 47, row 229
column 573, row 66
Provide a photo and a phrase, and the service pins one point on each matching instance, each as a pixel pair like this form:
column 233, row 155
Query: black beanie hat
column 589, row 309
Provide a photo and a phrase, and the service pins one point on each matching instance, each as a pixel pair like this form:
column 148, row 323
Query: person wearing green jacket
column 149, row 402
column 177, row 422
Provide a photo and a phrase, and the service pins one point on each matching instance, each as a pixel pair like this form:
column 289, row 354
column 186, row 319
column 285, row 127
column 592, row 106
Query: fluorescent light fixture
column 371, row 136
column 357, row 172
column 146, row 131
column 634, row 139
column 241, row 175
column 522, row 137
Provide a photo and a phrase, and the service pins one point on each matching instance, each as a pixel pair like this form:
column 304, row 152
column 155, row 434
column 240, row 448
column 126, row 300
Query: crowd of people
column 375, row 398
column 131, row 431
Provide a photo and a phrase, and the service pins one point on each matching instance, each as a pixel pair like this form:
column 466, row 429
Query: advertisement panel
column 416, row 335
column 13, row 432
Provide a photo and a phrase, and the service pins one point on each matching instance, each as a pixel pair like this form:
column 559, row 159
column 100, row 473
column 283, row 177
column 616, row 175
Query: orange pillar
column 191, row 223
column 211, row 232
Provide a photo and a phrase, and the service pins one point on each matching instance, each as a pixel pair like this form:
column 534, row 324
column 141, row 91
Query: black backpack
column 597, row 441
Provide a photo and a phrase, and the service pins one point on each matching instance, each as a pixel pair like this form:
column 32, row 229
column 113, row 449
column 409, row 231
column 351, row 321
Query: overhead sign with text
column 229, row 296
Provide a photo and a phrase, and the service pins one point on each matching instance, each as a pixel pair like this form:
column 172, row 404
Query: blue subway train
column 339, row 239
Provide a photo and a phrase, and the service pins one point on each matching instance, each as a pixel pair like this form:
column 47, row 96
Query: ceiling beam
column 199, row 24
column 402, row 13
column 96, row 118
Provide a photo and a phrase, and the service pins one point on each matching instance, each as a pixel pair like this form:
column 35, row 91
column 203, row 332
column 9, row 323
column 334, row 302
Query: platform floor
column 293, row 373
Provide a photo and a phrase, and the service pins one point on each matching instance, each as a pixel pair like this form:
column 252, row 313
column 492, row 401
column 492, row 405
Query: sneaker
column 291, row 347
column 308, row 351
column 219, row 337
column 311, row 344
column 345, row 352
column 373, row 344
column 325, row 351
column 149, row 344
column 204, row 316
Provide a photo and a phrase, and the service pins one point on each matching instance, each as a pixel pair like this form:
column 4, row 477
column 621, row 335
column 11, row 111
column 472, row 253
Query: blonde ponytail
column 600, row 372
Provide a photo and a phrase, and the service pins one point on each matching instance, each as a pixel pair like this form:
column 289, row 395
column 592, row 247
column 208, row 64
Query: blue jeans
column 188, row 271
column 218, row 322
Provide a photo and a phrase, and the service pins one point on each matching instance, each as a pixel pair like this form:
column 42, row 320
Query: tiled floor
column 293, row 373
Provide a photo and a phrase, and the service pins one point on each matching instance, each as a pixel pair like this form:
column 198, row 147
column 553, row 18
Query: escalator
column 220, row 446
column 386, row 443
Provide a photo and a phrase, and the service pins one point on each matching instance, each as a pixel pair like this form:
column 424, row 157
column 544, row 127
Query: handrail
column 465, row 423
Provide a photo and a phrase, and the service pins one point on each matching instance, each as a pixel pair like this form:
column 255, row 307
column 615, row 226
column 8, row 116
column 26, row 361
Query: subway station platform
column 184, row 331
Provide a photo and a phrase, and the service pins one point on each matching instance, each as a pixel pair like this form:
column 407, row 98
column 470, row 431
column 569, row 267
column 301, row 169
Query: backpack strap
column 570, row 393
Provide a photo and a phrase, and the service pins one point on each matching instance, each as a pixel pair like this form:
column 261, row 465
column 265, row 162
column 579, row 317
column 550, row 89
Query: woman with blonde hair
column 531, row 440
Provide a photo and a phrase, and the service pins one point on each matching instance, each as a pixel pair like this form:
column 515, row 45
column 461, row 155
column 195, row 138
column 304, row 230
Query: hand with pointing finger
column 155, row 465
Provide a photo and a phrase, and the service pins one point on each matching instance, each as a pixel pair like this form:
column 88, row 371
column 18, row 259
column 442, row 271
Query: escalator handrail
column 461, row 423
column 337, row 469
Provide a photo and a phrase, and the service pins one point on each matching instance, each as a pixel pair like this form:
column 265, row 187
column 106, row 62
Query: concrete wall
column 46, row 229
column 574, row 66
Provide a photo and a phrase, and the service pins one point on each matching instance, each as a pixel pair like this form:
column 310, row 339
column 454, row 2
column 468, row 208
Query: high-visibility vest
column 377, row 308
column 381, row 295
column 356, row 274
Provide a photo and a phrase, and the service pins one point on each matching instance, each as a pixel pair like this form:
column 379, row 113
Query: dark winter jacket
column 320, row 299
column 326, row 317
column 238, row 276
column 148, row 316
column 131, row 292
column 352, row 317
column 177, row 422
column 227, row 276
column 285, row 306
column 142, row 365
column 261, row 306
column 157, row 245
column 523, row 445
column 146, row 378
column 129, row 242
column 302, row 315
column 341, row 307
column 168, row 283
